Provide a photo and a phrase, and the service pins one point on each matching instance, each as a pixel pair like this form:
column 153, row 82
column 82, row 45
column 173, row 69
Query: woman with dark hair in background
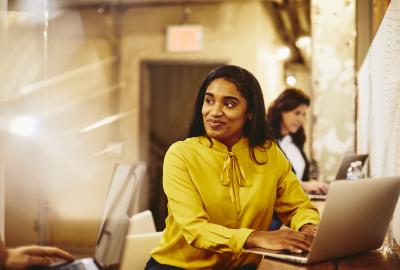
column 286, row 117
column 225, row 181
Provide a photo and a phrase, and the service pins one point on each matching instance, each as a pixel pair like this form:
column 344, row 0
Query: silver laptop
column 342, row 171
column 345, row 164
column 114, row 223
column 355, row 219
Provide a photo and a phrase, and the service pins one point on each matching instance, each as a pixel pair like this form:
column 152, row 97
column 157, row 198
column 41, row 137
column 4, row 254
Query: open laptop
column 342, row 171
column 355, row 220
column 114, row 223
column 345, row 164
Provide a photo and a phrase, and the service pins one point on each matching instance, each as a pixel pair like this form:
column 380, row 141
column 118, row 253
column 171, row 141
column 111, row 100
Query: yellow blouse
column 216, row 198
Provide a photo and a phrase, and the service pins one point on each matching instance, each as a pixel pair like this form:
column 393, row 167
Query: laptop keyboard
column 63, row 266
column 288, row 252
column 71, row 266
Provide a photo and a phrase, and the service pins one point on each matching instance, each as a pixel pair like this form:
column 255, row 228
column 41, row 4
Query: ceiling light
column 282, row 53
column 291, row 80
column 303, row 41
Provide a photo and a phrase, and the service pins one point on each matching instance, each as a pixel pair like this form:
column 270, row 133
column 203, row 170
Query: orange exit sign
column 184, row 38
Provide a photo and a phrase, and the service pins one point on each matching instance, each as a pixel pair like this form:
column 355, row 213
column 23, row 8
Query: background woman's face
column 224, row 112
column 293, row 120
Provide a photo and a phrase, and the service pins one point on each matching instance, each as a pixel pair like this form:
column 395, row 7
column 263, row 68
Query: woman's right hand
column 315, row 187
column 283, row 239
column 23, row 257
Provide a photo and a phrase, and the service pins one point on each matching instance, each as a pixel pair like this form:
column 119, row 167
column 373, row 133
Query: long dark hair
column 288, row 100
column 256, row 128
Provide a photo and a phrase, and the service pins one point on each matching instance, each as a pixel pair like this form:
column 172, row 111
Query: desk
column 374, row 260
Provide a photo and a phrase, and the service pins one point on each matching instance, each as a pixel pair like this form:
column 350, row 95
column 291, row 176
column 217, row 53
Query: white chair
column 141, row 222
column 142, row 238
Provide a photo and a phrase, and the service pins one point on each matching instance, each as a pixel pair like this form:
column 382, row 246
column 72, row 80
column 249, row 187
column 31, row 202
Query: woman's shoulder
column 271, row 149
column 262, row 153
column 268, row 145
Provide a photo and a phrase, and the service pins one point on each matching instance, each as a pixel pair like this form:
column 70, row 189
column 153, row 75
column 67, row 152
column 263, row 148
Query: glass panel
column 60, row 118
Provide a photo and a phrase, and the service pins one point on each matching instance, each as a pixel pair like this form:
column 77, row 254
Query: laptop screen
column 115, row 221
column 345, row 163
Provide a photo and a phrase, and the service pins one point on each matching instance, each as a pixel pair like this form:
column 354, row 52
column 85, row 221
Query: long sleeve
column 292, row 205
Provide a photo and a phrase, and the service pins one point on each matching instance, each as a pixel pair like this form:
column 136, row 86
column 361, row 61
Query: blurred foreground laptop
column 114, row 223
column 341, row 173
column 355, row 220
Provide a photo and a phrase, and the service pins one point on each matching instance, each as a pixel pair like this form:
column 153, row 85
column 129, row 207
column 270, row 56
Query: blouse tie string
column 233, row 176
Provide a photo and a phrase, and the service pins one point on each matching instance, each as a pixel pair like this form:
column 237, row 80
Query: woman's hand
column 315, row 187
column 23, row 257
column 309, row 229
column 284, row 239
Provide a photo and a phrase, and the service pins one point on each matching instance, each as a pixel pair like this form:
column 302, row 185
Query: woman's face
column 293, row 120
column 224, row 112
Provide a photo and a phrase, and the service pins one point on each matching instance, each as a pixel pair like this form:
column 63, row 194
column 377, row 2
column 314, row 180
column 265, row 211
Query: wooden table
column 375, row 260
column 388, row 259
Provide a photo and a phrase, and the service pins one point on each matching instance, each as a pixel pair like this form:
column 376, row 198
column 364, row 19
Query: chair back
column 141, row 239
column 141, row 222
column 137, row 250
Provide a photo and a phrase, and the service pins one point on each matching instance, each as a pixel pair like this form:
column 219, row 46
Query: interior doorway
column 168, row 92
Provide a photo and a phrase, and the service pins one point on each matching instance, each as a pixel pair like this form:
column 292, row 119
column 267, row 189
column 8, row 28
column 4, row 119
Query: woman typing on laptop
column 286, row 117
column 225, row 181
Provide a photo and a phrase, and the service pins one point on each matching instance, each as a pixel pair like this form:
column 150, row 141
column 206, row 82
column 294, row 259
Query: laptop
column 355, row 220
column 342, row 171
column 345, row 164
column 114, row 223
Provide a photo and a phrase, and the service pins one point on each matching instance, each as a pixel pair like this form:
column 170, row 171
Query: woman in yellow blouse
column 226, row 179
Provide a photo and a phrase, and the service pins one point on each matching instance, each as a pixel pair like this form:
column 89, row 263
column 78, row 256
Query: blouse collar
column 242, row 143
